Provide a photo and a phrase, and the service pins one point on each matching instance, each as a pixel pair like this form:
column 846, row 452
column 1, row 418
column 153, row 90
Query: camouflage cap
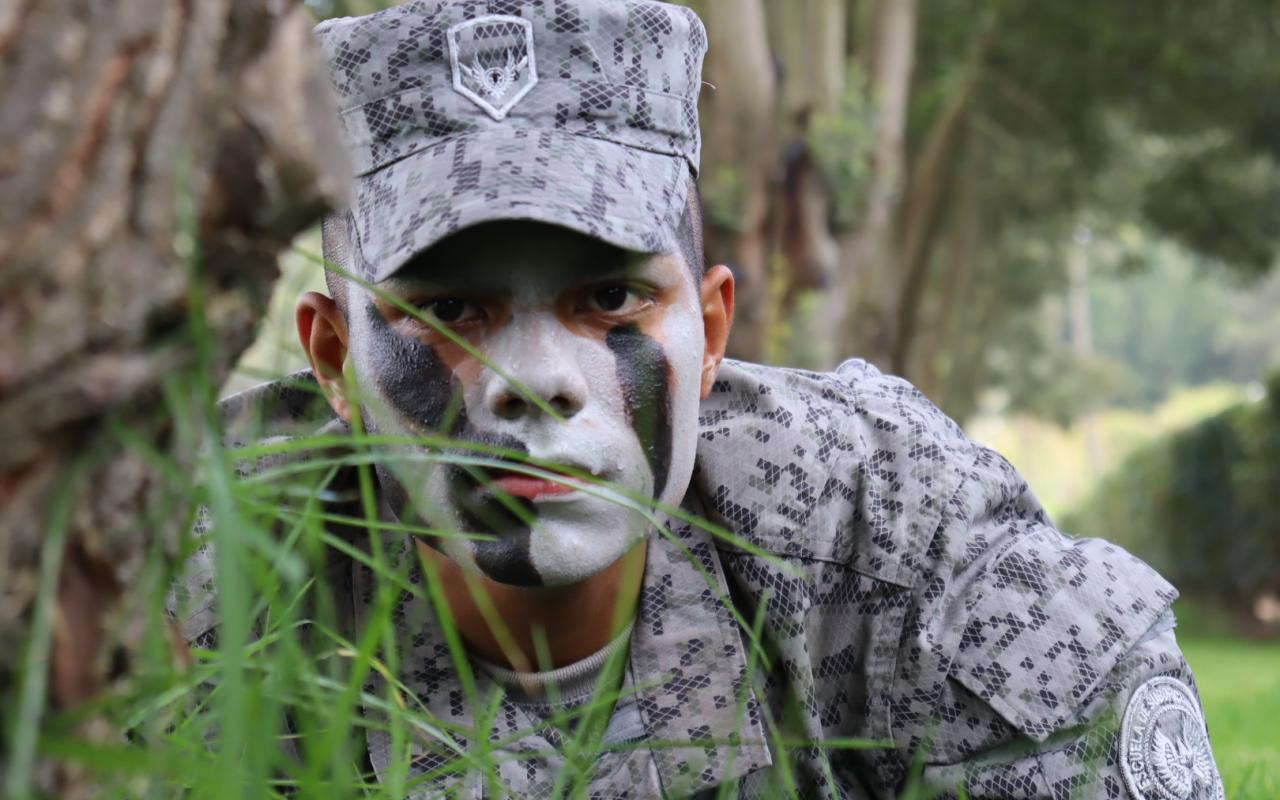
column 581, row 113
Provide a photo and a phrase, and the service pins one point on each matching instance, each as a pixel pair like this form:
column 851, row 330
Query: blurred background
column 1062, row 222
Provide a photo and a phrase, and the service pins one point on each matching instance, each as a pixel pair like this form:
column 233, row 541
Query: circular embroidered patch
column 1164, row 745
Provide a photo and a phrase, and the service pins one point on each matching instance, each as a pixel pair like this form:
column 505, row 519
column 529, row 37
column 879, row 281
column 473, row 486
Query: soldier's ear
column 717, row 321
column 322, row 329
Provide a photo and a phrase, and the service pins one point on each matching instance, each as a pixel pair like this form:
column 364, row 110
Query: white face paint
column 612, row 341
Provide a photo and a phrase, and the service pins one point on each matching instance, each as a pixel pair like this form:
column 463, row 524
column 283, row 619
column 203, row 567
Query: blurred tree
column 739, row 140
column 926, row 167
column 1110, row 115
column 1199, row 72
column 116, row 119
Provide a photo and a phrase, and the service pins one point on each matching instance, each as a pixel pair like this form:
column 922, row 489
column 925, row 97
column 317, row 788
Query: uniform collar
column 687, row 668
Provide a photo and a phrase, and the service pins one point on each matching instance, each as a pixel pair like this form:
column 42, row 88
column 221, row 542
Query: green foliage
column 1202, row 505
column 1049, row 383
column 724, row 197
column 1222, row 204
column 841, row 144
column 1154, row 118
column 1166, row 320
column 1184, row 69
column 1239, row 684
column 1162, row 319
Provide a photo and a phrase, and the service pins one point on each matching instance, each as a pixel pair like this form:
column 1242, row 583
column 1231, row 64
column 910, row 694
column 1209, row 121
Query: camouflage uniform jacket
column 914, row 593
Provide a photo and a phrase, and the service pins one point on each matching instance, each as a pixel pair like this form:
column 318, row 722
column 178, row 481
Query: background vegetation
column 1202, row 506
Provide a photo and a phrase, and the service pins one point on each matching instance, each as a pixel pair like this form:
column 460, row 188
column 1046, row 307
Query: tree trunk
column 931, row 179
column 974, row 316
column 962, row 247
column 810, row 43
column 117, row 117
column 808, row 38
column 865, row 302
column 739, row 161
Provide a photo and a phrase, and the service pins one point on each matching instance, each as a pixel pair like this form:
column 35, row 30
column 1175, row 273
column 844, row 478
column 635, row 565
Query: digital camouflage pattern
column 597, row 130
column 913, row 592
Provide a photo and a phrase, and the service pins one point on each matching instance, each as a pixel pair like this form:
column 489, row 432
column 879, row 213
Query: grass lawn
column 1240, row 685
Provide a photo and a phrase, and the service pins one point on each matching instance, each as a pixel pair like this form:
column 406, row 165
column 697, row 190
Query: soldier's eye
column 614, row 299
column 450, row 310
column 611, row 298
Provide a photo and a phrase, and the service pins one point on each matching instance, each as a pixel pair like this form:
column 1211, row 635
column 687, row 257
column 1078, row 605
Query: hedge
column 1202, row 505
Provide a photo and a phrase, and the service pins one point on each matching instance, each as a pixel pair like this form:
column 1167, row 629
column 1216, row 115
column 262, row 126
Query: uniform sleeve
column 273, row 412
column 1140, row 734
column 1028, row 663
column 1048, row 664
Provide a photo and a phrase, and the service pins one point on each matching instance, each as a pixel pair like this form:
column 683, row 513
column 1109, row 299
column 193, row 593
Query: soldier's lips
column 527, row 487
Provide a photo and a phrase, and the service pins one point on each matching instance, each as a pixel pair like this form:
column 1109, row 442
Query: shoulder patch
column 1164, row 745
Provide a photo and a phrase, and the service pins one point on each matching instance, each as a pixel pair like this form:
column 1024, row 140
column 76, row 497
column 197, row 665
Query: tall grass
column 270, row 706
column 1239, row 684
column 274, row 704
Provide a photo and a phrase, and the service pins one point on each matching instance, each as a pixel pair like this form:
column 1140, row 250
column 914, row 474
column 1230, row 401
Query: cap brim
column 628, row 197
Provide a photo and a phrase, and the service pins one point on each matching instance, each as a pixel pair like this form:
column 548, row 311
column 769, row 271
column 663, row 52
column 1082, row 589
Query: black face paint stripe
column 414, row 380
column 644, row 374
column 420, row 388
column 506, row 558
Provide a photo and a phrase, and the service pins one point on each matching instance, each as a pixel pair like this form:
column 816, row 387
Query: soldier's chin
column 566, row 557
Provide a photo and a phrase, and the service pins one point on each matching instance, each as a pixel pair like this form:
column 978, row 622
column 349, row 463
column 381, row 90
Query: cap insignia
column 493, row 62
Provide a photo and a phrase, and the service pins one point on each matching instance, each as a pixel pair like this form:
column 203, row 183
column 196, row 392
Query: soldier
column 525, row 180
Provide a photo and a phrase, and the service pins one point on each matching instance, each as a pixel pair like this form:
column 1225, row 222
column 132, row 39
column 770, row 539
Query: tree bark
column 117, row 117
column 865, row 302
column 810, row 43
column 931, row 179
column 809, row 39
column 962, row 241
column 739, row 157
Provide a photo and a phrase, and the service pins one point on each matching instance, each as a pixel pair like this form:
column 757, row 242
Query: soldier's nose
column 510, row 403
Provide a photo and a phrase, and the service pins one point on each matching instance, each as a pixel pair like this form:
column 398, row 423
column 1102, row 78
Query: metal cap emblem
column 493, row 62
column 1164, row 748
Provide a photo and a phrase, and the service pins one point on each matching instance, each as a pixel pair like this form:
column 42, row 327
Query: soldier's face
column 612, row 341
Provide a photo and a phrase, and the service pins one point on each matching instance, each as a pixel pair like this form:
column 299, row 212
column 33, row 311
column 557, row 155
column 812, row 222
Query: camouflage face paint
column 644, row 376
column 628, row 392
column 417, row 392
column 408, row 373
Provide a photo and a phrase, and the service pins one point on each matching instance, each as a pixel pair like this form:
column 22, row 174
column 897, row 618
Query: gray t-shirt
column 561, row 699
